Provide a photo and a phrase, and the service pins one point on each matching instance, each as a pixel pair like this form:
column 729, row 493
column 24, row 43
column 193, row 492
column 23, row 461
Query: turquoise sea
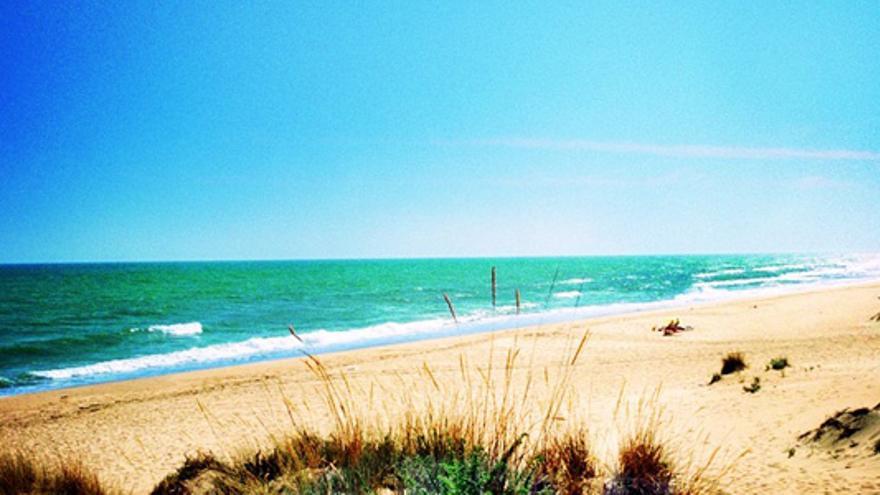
column 70, row 324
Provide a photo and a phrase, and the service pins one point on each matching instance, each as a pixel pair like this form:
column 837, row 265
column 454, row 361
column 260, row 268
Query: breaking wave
column 177, row 329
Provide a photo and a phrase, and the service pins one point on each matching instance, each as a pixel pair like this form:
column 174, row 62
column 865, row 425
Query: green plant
column 779, row 363
column 755, row 385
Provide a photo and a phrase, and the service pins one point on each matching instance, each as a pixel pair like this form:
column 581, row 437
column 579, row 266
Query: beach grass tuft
column 644, row 466
column 20, row 473
column 568, row 465
column 732, row 363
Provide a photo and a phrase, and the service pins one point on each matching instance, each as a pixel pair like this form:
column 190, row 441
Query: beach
column 133, row 433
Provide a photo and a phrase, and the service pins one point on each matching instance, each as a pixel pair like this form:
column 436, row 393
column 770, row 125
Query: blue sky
column 211, row 130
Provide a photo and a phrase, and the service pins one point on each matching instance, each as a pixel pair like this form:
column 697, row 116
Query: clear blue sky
column 209, row 130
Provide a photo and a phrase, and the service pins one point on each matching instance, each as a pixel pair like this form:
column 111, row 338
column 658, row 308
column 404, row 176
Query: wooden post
column 493, row 287
column 517, row 301
column 451, row 307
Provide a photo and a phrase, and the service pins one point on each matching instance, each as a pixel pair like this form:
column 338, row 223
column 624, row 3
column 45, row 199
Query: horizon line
column 403, row 258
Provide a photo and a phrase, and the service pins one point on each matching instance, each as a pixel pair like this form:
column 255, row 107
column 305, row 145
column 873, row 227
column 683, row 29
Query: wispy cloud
column 554, row 181
column 812, row 182
column 683, row 150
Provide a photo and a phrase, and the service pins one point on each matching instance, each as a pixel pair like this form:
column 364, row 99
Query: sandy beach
column 135, row 432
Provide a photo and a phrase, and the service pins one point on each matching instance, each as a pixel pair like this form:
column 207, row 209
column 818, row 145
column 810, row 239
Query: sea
column 64, row 325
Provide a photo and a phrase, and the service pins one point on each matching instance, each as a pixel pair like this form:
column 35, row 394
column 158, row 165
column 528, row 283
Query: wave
column 782, row 268
column 313, row 340
column 575, row 281
column 23, row 379
column 177, row 329
column 567, row 295
column 832, row 272
column 842, row 268
column 733, row 283
column 729, row 271
column 506, row 309
column 194, row 355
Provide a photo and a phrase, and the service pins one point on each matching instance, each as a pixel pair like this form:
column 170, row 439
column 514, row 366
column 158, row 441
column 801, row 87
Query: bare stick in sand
column 293, row 332
column 517, row 300
column 451, row 307
column 493, row 287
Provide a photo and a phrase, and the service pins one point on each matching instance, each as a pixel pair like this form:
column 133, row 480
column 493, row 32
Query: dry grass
column 648, row 462
column 475, row 432
column 502, row 427
column 732, row 363
column 716, row 377
column 643, row 466
column 20, row 474
column 568, row 465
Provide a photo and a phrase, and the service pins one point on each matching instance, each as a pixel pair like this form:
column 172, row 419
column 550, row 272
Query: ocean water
column 72, row 324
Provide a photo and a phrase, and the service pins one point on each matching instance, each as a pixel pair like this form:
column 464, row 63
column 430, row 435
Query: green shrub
column 779, row 363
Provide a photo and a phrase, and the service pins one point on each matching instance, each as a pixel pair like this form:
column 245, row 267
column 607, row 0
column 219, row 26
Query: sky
column 291, row 130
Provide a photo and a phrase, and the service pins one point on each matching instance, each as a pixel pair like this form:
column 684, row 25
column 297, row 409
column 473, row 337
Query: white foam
column 505, row 309
column 779, row 268
column 567, row 295
column 315, row 340
column 731, row 271
column 732, row 283
column 176, row 329
column 575, row 281
column 194, row 355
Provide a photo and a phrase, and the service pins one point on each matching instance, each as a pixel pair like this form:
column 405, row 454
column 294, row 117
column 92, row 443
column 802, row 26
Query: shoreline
column 133, row 432
column 487, row 325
